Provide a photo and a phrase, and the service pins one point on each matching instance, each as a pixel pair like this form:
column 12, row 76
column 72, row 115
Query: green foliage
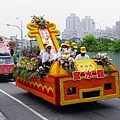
column 94, row 45
column 16, row 54
column 116, row 46
column 22, row 73
column 28, row 66
column 36, row 48
column 107, row 44
column 109, row 69
column 40, row 21
column 91, row 43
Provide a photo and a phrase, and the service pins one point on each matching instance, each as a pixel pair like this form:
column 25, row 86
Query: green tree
column 116, row 45
column 91, row 43
column 108, row 44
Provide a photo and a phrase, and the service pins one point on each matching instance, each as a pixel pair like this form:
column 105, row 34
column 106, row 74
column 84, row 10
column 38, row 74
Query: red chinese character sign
column 100, row 73
column 76, row 75
column 88, row 74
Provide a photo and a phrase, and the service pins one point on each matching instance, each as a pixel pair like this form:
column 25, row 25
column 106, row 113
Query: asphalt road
column 17, row 104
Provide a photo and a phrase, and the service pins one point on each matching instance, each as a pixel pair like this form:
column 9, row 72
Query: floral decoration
column 104, row 60
column 28, row 67
column 67, row 63
column 1, row 39
column 40, row 21
column 11, row 44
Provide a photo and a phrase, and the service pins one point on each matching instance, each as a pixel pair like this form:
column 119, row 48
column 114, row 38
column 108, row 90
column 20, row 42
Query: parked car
column 6, row 66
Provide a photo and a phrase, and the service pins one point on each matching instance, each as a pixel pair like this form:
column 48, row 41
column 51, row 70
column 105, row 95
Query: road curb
column 2, row 117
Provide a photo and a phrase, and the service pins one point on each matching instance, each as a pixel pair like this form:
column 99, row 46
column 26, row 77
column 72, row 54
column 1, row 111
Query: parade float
column 68, row 81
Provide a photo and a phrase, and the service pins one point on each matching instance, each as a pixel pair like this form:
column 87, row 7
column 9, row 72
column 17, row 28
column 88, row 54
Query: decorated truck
column 78, row 82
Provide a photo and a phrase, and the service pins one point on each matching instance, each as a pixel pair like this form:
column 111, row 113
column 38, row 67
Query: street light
column 21, row 22
column 20, row 32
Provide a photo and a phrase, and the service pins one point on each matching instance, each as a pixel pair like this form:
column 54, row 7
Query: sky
column 104, row 12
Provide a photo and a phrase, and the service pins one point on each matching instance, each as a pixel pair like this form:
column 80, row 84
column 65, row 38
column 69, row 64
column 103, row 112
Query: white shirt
column 79, row 57
column 42, row 52
column 72, row 52
column 48, row 57
column 60, row 52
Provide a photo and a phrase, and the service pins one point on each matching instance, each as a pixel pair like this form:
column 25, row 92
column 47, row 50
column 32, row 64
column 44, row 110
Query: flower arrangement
column 40, row 21
column 1, row 39
column 11, row 44
column 28, row 67
column 67, row 63
column 104, row 60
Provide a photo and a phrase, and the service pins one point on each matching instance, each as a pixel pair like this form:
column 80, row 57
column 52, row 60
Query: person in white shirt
column 82, row 55
column 67, row 43
column 73, row 50
column 48, row 58
column 48, row 55
column 62, row 50
column 44, row 50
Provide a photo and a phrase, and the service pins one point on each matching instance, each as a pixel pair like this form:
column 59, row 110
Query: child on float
column 68, row 54
column 73, row 50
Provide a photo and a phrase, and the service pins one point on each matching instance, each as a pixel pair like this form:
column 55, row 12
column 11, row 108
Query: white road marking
column 12, row 83
column 20, row 102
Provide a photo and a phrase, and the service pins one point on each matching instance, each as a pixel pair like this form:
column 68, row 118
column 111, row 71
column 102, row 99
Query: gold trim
column 101, row 97
column 42, row 86
column 90, row 90
column 51, row 27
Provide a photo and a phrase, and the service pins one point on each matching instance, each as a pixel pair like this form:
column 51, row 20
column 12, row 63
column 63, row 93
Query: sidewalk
column 2, row 117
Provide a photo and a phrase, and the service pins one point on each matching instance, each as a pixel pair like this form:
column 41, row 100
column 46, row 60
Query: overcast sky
column 104, row 12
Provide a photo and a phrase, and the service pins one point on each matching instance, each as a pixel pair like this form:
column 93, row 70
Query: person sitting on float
column 68, row 54
column 67, row 43
column 44, row 50
column 82, row 55
column 62, row 50
column 73, row 50
column 48, row 58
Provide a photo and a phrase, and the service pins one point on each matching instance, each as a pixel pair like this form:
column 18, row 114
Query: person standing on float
column 82, row 55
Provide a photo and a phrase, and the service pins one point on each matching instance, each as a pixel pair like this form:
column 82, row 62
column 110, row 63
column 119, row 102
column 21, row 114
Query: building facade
column 76, row 28
column 72, row 27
